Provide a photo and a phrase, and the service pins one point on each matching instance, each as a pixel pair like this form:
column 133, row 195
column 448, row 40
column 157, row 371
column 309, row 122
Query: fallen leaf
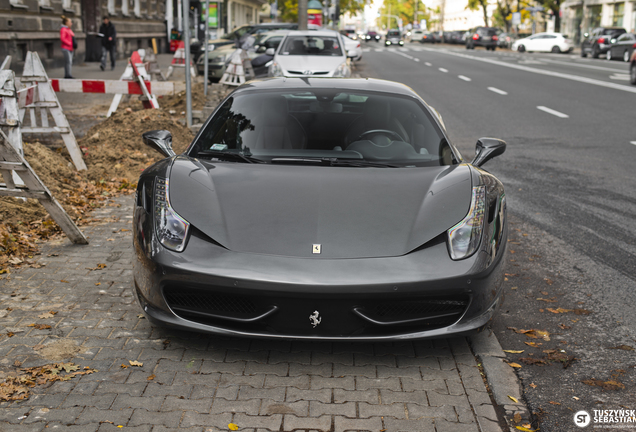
column 64, row 281
column 141, row 316
column 514, row 365
column 547, row 300
column 516, row 418
column 544, row 292
column 514, row 399
column 533, row 344
column 564, row 327
column 45, row 315
column 548, row 281
column 513, row 351
column 532, row 333
column 135, row 363
column 582, row 312
column 575, row 398
column 17, row 363
column 232, row 426
column 98, row 283
column 10, row 334
column 124, row 366
column 623, row 347
column 533, row 385
column 70, row 367
column 151, row 377
column 559, row 310
column 554, row 403
column 40, row 326
column 606, row 385
column 525, row 429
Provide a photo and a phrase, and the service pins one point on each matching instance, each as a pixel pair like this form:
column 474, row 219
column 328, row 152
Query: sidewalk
column 197, row 382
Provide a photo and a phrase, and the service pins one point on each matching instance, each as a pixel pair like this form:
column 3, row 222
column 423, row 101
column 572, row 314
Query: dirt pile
column 115, row 156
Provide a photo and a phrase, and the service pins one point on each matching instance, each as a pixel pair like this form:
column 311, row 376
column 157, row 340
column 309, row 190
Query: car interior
column 374, row 127
column 311, row 45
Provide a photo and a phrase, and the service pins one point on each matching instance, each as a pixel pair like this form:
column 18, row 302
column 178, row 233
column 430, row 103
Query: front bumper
column 207, row 288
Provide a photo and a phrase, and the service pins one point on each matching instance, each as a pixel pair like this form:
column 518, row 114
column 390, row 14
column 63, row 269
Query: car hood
column 308, row 62
column 351, row 212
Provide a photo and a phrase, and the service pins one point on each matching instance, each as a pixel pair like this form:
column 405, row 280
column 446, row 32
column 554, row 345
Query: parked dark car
column 321, row 209
column 632, row 68
column 505, row 40
column 372, row 36
column 483, row 37
column 393, row 37
column 599, row 40
column 457, row 37
column 622, row 47
column 429, row 37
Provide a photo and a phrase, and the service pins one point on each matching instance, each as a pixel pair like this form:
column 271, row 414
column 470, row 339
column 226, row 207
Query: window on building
column 594, row 14
column 618, row 13
column 138, row 8
column 66, row 5
column 111, row 7
column 124, row 7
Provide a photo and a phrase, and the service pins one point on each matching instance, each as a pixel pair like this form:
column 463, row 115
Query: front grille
column 312, row 73
column 420, row 308
column 278, row 313
column 194, row 300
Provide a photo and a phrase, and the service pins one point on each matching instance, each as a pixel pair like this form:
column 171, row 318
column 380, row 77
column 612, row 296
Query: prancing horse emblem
column 314, row 318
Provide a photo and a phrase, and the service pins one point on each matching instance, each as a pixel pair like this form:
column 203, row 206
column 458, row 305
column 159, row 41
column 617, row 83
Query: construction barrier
column 46, row 103
column 19, row 178
column 238, row 70
column 178, row 60
column 158, row 88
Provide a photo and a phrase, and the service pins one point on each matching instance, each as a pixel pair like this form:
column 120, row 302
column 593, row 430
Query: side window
column 549, row 37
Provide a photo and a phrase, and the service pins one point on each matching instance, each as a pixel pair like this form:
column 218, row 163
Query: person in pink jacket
column 67, row 37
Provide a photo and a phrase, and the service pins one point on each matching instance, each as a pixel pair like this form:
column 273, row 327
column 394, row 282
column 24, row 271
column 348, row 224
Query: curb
column 501, row 378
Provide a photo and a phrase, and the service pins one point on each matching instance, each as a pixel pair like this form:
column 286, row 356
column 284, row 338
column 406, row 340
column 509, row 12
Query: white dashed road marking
column 496, row 90
column 633, row 142
column 553, row 112
column 620, row 77
column 379, row 50
column 428, row 64
column 443, row 70
column 465, row 78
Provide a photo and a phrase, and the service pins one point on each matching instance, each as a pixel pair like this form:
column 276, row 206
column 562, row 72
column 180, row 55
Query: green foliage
column 404, row 9
column 476, row 4
column 289, row 8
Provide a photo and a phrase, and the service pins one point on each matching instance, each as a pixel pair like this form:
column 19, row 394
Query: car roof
column 313, row 33
column 368, row 84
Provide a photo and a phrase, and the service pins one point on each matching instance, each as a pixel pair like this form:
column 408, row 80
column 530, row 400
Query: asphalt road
column 570, row 127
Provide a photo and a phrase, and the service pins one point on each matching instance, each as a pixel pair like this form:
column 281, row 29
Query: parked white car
column 417, row 36
column 353, row 47
column 544, row 42
column 310, row 53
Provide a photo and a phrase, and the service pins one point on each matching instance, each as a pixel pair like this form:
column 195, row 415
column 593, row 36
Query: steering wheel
column 390, row 133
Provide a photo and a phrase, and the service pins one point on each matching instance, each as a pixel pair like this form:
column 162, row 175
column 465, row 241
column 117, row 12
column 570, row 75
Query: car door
column 548, row 42
column 532, row 43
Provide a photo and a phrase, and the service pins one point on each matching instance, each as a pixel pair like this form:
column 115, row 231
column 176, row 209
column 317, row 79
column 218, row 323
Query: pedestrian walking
column 108, row 33
column 67, row 37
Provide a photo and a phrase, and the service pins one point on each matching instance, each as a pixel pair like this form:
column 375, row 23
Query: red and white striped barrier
column 27, row 96
column 179, row 61
column 158, row 88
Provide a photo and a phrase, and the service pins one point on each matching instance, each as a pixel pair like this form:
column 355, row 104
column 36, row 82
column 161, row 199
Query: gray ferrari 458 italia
column 320, row 208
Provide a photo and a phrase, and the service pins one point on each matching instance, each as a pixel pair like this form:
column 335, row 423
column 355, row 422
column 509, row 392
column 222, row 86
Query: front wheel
column 596, row 52
column 493, row 48
column 583, row 53
column 608, row 55
column 626, row 56
column 632, row 73
column 521, row 48
column 556, row 49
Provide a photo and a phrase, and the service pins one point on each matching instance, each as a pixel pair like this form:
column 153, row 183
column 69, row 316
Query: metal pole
column 207, row 38
column 188, row 77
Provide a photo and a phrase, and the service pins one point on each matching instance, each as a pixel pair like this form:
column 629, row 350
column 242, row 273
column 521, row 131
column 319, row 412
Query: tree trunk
column 484, row 6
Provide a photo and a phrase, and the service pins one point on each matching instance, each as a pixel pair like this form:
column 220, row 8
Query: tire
column 493, row 48
column 596, row 52
column 632, row 73
column 556, row 50
column 467, row 46
column 626, row 56
column 521, row 48
column 608, row 55
column 583, row 53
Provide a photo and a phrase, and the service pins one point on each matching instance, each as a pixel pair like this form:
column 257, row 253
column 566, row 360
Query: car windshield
column 393, row 33
column 312, row 45
column 294, row 126
column 238, row 33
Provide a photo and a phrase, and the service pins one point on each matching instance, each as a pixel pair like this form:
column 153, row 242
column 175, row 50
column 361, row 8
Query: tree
column 476, row 4
column 404, row 9
column 555, row 7
column 289, row 9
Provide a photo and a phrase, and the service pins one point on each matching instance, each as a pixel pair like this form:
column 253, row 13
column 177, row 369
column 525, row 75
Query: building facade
column 579, row 17
column 34, row 25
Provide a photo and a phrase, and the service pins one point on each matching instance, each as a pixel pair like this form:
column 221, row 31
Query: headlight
column 342, row 71
column 275, row 70
column 464, row 238
column 171, row 229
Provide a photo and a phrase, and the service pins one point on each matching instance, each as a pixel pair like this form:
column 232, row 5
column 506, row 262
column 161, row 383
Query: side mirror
column 261, row 49
column 486, row 149
column 270, row 51
column 159, row 140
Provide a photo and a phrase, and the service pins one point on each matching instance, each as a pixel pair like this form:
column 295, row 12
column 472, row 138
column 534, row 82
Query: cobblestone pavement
column 194, row 382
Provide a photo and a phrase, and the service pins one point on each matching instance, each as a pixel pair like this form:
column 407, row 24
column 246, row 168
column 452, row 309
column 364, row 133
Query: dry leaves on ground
column 48, row 314
column 532, row 333
column 605, row 385
column 623, row 348
column 17, row 387
column 135, row 363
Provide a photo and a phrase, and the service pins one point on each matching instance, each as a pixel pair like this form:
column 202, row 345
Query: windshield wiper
column 222, row 155
column 333, row 162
